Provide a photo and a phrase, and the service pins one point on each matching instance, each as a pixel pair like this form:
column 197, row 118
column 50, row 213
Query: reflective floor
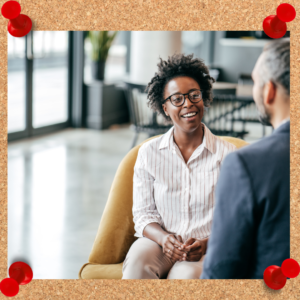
column 57, row 189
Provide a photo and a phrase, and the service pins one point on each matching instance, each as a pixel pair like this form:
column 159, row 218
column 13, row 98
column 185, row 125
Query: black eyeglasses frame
column 187, row 94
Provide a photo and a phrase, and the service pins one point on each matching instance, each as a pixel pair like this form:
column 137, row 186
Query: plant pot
column 98, row 69
column 106, row 105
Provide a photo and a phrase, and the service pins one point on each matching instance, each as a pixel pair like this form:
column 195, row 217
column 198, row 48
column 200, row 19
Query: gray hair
column 275, row 65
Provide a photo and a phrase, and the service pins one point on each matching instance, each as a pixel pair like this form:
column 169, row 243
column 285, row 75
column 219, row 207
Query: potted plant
column 100, row 43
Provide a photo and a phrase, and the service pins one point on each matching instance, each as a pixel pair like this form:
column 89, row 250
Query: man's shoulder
column 273, row 143
column 264, row 152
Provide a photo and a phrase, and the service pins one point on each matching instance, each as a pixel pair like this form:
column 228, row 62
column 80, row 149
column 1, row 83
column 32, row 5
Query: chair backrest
column 140, row 114
column 116, row 230
column 136, row 97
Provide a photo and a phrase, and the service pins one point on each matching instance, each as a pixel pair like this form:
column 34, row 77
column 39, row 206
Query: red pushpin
column 274, row 26
column 274, row 277
column 21, row 272
column 19, row 25
column 290, row 268
column 9, row 287
column 286, row 12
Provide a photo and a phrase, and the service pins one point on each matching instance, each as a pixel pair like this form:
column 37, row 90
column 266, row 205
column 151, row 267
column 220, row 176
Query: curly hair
column 178, row 65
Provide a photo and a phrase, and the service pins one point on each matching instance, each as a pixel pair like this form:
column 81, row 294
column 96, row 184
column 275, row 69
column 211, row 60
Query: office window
column 16, row 84
column 50, row 77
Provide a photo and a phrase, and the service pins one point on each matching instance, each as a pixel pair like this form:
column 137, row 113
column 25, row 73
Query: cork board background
column 176, row 15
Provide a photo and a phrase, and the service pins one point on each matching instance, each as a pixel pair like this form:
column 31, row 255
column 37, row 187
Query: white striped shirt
column 177, row 195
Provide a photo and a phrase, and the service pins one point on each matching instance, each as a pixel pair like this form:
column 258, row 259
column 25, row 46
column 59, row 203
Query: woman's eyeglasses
column 195, row 96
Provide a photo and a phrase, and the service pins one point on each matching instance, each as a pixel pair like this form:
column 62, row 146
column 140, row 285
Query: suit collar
column 284, row 127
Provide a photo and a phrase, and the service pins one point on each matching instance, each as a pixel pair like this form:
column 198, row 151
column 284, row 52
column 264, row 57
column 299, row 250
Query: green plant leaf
column 101, row 42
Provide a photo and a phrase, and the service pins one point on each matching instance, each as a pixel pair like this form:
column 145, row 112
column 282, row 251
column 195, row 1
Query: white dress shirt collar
column 208, row 140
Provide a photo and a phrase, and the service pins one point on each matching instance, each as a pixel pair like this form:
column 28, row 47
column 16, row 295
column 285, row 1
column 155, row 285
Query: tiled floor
column 57, row 189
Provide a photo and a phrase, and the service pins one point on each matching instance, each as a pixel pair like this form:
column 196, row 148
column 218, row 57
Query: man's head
column 271, row 76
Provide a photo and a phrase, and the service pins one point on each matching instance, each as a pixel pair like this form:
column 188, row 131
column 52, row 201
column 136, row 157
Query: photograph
column 148, row 154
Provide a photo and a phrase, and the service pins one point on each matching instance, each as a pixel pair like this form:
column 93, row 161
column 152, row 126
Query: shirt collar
column 208, row 142
column 166, row 139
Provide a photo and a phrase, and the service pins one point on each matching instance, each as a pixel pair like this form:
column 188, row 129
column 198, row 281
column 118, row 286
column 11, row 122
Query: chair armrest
column 97, row 271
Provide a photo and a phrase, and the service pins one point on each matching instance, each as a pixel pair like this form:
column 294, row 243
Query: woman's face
column 178, row 115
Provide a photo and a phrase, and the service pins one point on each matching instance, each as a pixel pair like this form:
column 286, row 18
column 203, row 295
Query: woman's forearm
column 154, row 232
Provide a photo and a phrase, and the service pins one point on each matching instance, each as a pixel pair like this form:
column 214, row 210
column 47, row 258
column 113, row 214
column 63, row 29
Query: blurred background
column 76, row 106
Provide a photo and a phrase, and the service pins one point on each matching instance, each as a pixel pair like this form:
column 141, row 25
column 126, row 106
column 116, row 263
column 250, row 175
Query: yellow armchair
column 116, row 230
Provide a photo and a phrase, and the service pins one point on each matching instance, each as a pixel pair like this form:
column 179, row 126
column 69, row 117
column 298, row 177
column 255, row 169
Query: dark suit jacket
column 251, row 222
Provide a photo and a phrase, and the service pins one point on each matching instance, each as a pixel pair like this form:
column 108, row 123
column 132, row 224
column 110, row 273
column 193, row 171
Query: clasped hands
column 192, row 250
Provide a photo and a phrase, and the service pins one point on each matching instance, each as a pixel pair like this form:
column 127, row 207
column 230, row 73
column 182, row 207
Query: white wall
column 146, row 48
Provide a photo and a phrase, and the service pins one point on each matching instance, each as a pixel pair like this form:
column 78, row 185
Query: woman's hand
column 195, row 249
column 172, row 247
column 169, row 242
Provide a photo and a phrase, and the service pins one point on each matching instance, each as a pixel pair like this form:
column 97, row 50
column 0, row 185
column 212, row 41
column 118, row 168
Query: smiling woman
column 179, row 65
column 175, row 176
column 185, row 112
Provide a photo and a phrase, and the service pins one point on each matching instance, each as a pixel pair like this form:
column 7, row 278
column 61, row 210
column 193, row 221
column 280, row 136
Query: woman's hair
column 178, row 65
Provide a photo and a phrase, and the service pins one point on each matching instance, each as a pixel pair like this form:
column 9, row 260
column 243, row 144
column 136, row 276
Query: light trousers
column 146, row 260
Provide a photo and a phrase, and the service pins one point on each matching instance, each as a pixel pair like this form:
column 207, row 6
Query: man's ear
column 269, row 93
